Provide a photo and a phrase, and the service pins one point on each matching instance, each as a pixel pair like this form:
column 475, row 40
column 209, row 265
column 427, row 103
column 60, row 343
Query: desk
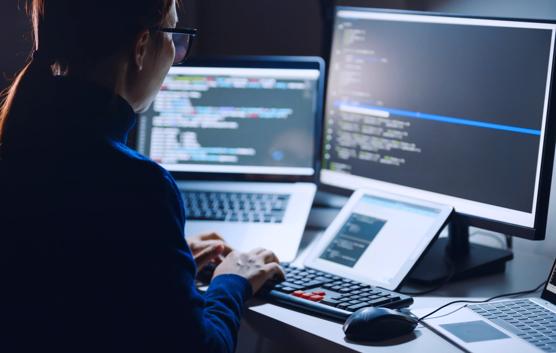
column 270, row 328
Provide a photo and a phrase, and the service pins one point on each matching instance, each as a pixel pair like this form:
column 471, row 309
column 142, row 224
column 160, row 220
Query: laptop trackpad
column 474, row 331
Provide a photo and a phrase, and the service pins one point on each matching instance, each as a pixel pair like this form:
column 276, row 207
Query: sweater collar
column 105, row 112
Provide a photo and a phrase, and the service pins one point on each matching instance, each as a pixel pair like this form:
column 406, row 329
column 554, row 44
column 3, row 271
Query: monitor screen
column 447, row 109
column 234, row 120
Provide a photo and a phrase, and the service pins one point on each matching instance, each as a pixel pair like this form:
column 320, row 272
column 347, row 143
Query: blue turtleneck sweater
column 92, row 250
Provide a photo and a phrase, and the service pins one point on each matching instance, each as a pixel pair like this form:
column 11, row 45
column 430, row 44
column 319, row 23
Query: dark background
column 256, row 27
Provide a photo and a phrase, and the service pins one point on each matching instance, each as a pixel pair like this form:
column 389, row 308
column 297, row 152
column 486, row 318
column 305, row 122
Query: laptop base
column 283, row 237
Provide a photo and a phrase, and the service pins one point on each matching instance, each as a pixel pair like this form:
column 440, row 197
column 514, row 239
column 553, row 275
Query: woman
column 93, row 254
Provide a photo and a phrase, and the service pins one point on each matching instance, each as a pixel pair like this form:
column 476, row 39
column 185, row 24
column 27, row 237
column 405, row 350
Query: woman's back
column 93, row 256
column 80, row 208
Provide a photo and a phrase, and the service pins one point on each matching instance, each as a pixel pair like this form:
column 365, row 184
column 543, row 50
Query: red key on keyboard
column 316, row 298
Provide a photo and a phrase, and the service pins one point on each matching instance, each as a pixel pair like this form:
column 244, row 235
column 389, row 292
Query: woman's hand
column 208, row 248
column 257, row 266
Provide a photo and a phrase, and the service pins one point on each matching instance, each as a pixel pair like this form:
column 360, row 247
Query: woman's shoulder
column 136, row 168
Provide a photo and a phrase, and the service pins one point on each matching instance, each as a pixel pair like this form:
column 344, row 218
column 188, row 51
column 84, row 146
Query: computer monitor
column 445, row 108
column 237, row 117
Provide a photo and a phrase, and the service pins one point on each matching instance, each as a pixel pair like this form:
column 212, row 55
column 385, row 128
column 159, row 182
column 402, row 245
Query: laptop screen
column 229, row 119
column 551, row 286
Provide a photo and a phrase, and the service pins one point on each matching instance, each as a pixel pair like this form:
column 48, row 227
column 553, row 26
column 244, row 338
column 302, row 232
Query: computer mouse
column 377, row 324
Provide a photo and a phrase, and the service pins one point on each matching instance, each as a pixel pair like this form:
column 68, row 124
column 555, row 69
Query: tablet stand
column 455, row 257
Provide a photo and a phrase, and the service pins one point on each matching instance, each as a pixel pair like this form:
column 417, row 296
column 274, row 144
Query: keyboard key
column 323, row 279
column 287, row 289
column 330, row 301
column 379, row 301
column 357, row 306
column 316, row 298
column 344, row 299
column 289, row 284
column 343, row 306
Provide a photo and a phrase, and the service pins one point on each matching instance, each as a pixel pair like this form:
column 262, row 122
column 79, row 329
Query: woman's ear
column 140, row 50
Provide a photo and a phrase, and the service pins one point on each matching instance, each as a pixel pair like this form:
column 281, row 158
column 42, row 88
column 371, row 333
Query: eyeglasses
column 183, row 40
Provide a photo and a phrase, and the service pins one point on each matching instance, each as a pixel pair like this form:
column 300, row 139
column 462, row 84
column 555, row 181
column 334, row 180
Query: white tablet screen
column 379, row 239
column 353, row 239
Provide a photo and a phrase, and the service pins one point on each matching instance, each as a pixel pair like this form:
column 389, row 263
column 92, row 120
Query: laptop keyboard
column 329, row 295
column 235, row 206
column 523, row 318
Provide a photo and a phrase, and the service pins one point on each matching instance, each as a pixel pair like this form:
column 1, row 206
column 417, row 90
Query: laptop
column 516, row 325
column 241, row 137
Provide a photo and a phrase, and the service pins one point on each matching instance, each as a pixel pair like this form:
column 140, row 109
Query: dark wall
column 270, row 27
column 260, row 27
column 227, row 27
column 15, row 35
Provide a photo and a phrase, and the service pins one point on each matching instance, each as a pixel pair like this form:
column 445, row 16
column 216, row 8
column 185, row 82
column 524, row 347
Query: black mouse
column 377, row 324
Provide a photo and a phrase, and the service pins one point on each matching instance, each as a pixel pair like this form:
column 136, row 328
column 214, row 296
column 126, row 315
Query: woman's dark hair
column 78, row 33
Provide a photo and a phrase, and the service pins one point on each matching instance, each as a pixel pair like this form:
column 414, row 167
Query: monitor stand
column 456, row 258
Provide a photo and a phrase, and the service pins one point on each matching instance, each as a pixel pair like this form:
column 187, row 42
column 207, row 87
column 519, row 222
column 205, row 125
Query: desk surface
column 270, row 328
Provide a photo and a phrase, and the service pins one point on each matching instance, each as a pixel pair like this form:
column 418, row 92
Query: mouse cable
column 485, row 300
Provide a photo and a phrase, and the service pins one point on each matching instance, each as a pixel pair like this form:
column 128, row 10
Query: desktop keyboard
column 523, row 318
column 329, row 295
column 235, row 206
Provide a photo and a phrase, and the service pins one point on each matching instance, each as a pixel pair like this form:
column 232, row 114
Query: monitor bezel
column 538, row 231
column 265, row 62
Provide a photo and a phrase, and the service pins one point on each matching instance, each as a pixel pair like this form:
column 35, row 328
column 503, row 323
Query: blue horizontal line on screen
column 443, row 119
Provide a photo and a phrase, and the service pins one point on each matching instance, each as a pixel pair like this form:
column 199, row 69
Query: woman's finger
column 211, row 236
column 200, row 245
column 274, row 271
column 257, row 251
column 227, row 249
column 269, row 256
column 205, row 256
